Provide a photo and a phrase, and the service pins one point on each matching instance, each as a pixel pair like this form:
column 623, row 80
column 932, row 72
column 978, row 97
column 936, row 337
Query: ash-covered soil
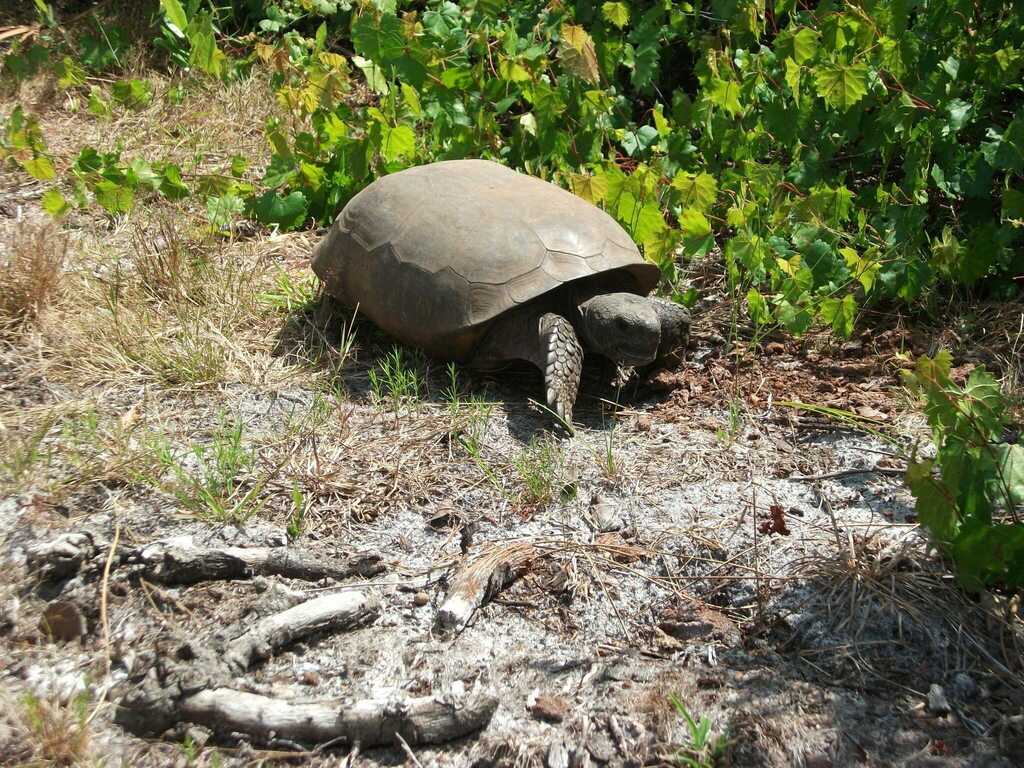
column 704, row 539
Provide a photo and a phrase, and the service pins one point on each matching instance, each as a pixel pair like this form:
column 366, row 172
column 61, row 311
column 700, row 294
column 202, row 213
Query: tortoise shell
column 435, row 254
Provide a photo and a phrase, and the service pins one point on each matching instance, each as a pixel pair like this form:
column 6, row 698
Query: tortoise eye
column 622, row 324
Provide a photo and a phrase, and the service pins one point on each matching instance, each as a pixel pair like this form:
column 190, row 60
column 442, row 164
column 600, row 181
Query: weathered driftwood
column 179, row 561
column 61, row 557
column 191, row 686
column 369, row 722
column 479, row 580
column 329, row 613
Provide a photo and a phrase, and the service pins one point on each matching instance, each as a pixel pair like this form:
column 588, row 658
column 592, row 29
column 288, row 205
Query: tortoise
column 479, row 264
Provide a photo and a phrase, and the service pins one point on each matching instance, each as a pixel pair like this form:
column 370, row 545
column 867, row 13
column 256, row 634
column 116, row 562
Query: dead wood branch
column 482, row 578
column 179, row 561
column 369, row 722
column 330, row 613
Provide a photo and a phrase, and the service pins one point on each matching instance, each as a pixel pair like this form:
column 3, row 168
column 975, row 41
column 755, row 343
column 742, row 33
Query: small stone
column 601, row 747
column 962, row 687
column 558, row 755
column 444, row 517
column 198, row 734
column 62, row 620
column 310, row 677
column 938, row 704
column 817, row 760
column 603, row 516
column 552, row 709
column 420, row 598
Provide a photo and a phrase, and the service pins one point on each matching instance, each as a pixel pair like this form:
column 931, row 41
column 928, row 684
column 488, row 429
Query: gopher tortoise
column 479, row 264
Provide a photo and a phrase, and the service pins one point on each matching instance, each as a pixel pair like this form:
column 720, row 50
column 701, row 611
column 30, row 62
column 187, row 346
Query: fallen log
column 179, row 561
column 330, row 613
column 479, row 580
column 368, row 722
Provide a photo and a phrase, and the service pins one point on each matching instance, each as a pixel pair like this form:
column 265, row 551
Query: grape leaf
column 840, row 313
column 726, row 94
column 638, row 141
column 616, row 13
column 222, row 210
column 116, row 198
column 842, row 86
column 378, row 38
column 40, row 168
column 696, row 190
column 288, row 212
column 576, row 52
column 591, row 188
column 54, row 203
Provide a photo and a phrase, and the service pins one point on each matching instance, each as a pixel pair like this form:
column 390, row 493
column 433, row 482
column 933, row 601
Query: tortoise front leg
column 563, row 364
column 545, row 339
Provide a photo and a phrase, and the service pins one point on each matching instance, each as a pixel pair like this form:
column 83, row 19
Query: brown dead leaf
column 777, row 524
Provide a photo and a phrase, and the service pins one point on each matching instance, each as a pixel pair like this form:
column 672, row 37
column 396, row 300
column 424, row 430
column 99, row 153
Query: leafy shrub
column 970, row 495
column 841, row 153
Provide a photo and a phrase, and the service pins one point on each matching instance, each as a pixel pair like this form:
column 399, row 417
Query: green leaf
column 842, row 86
column 805, row 45
column 793, row 72
column 288, row 212
column 221, row 211
column 984, row 402
column 840, row 314
column 374, row 75
column 205, row 54
column 412, row 99
column 40, row 168
column 98, row 53
column 280, row 170
column 726, row 94
column 175, row 14
column 141, row 174
column 616, row 13
column 641, row 220
column 638, row 141
column 378, row 37
column 171, row 185
column 239, row 164
column 797, row 319
column 116, row 198
column 696, row 190
column 758, row 307
column 54, row 203
column 1013, row 207
column 593, row 189
column 1010, row 462
column 576, row 52
column 134, row 94
column 97, row 104
column 68, row 73
column 398, row 142
column 698, row 238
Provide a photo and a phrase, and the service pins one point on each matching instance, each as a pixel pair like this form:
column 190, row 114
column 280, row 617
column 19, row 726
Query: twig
column 894, row 472
column 408, row 751
column 104, row 586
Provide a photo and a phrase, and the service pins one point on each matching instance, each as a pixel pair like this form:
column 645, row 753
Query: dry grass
column 32, row 258
column 867, row 591
column 37, row 731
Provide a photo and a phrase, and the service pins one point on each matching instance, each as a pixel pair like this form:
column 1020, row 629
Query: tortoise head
column 623, row 327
